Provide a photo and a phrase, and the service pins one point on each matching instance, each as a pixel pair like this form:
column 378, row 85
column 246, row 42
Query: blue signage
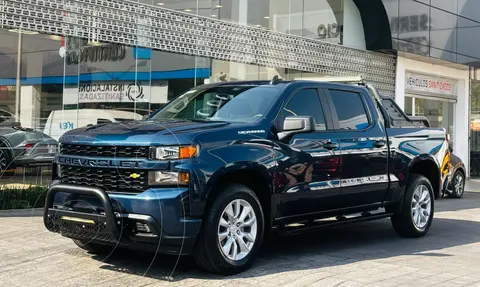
column 66, row 125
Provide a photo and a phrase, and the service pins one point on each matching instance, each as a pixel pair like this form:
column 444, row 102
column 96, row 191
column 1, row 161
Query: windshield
column 221, row 103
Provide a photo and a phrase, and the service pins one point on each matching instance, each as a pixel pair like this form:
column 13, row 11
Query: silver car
column 21, row 146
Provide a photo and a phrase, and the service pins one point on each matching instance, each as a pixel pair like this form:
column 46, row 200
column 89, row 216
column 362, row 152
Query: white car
column 61, row 121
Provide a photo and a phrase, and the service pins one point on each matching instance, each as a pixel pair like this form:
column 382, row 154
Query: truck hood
column 140, row 132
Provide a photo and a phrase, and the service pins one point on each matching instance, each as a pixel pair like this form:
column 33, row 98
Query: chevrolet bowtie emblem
column 134, row 175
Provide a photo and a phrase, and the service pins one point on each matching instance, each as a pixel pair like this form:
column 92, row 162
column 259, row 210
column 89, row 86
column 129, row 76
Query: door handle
column 379, row 143
column 330, row 145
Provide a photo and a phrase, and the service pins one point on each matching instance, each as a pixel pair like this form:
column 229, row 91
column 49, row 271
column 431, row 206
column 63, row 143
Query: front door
column 308, row 174
column 363, row 148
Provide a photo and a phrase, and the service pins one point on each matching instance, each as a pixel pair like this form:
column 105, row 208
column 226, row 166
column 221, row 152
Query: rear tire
column 5, row 161
column 232, row 231
column 93, row 248
column 418, row 208
column 458, row 185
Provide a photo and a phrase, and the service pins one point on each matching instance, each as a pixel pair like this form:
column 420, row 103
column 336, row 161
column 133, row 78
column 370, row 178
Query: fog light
column 143, row 228
column 183, row 177
column 167, row 178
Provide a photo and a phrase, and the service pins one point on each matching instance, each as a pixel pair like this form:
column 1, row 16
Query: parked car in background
column 21, row 146
column 6, row 115
column 454, row 186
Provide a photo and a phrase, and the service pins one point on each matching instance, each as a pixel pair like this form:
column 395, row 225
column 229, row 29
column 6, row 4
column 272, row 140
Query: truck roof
column 398, row 118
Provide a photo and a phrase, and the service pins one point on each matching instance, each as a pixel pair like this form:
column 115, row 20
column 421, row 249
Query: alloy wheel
column 237, row 230
column 421, row 207
column 3, row 161
column 458, row 184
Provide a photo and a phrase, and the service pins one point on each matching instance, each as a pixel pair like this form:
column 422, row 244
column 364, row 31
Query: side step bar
column 293, row 229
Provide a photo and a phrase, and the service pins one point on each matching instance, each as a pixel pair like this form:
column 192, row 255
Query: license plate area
column 80, row 225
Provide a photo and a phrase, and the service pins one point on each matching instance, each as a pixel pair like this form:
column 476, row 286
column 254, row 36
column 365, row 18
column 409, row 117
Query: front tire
column 458, row 185
column 417, row 213
column 232, row 232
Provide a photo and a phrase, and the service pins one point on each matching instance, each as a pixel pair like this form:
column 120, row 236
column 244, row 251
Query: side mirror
column 295, row 125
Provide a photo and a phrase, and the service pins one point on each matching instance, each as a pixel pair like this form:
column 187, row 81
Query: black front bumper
column 108, row 227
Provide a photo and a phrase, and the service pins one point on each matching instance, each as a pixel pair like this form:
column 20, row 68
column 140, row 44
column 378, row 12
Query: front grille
column 108, row 179
column 105, row 151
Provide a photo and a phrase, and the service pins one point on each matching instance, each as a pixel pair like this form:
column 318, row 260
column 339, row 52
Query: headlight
column 168, row 178
column 173, row 152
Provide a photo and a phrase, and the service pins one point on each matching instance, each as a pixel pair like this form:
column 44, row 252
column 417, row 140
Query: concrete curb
column 21, row 212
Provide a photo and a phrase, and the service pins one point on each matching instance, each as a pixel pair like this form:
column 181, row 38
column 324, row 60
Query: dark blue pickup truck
column 219, row 166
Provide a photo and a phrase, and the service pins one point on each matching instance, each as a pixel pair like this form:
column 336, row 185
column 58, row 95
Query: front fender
column 217, row 162
column 261, row 169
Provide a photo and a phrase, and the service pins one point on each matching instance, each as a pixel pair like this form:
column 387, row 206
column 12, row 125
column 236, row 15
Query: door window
column 305, row 103
column 350, row 110
column 475, row 130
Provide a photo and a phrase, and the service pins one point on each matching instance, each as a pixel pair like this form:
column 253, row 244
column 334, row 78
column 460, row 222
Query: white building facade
column 440, row 93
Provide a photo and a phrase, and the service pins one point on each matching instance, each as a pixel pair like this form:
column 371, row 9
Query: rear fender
column 435, row 171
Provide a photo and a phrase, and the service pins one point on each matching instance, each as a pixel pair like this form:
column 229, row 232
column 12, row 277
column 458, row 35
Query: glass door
column 475, row 130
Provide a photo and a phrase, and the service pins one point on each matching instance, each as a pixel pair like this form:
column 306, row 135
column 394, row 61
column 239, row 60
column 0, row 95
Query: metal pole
column 19, row 76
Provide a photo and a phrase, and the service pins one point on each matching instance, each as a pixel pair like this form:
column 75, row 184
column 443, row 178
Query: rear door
column 363, row 147
column 308, row 174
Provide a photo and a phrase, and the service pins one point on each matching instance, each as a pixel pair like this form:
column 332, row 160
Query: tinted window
column 350, row 110
column 305, row 103
column 469, row 9
column 444, row 34
column 413, row 27
column 16, row 138
column 448, row 5
column 4, row 116
column 468, row 45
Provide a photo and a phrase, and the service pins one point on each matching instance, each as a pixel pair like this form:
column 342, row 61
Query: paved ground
column 365, row 254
